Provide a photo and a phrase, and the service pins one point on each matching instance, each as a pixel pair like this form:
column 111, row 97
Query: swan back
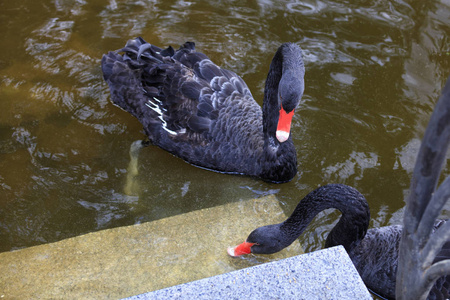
column 200, row 112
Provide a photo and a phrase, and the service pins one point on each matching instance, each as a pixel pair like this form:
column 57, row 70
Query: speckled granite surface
column 326, row 274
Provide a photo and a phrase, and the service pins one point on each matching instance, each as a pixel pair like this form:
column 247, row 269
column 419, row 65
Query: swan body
column 206, row 115
column 374, row 252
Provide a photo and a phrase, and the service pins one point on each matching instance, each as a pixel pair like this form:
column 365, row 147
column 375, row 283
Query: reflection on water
column 374, row 72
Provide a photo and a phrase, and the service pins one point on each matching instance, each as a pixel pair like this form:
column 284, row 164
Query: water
column 373, row 73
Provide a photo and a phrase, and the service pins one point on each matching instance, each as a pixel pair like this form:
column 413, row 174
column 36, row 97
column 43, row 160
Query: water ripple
column 374, row 70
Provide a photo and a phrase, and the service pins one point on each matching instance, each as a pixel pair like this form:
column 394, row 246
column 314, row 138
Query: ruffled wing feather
column 188, row 105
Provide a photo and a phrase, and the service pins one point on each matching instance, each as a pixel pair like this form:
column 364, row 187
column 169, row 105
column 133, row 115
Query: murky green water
column 374, row 72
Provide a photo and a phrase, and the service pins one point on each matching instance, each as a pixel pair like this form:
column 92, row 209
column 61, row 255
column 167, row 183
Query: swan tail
column 161, row 89
column 123, row 81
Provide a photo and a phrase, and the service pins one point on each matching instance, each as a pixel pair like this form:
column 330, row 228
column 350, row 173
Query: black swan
column 206, row 115
column 374, row 252
column 407, row 262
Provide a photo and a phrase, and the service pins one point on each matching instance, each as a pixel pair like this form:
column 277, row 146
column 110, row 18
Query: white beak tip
column 282, row 136
column 230, row 251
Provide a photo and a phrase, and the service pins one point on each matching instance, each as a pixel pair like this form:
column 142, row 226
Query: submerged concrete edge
column 324, row 274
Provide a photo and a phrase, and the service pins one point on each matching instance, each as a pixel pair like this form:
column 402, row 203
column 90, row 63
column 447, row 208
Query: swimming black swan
column 206, row 115
column 410, row 263
column 374, row 252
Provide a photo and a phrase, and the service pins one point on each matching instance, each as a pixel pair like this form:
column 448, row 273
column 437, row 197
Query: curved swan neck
column 354, row 221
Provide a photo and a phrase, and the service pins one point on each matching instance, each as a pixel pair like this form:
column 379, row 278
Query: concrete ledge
column 326, row 274
column 126, row 261
column 163, row 255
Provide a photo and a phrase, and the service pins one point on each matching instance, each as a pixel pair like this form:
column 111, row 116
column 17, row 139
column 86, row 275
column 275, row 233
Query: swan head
column 263, row 240
column 290, row 93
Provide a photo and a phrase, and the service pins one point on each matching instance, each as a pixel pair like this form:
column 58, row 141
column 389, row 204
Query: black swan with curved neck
column 206, row 115
column 374, row 252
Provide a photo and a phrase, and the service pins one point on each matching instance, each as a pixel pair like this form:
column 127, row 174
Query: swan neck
column 352, row 225
column 270, row 103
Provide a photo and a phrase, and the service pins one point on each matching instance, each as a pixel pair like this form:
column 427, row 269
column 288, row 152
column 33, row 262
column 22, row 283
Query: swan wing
column 441, row 288
column 187, row 104
column 376, row 258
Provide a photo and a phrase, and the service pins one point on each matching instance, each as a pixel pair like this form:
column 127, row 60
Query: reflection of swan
column 375, row 252
column 207, row 115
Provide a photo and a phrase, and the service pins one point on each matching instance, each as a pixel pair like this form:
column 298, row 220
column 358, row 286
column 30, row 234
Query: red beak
column 244, row 248
column 284, row 125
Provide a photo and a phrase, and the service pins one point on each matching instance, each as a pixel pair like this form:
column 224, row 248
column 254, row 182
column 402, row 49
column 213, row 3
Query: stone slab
column 326, row 274
column 126, row 261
